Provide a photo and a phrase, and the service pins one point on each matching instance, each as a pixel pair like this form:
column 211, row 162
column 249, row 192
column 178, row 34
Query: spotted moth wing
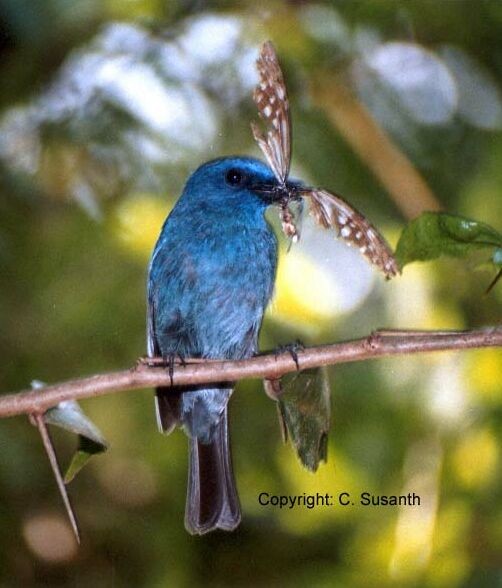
column 271, row 98
column 332, row 211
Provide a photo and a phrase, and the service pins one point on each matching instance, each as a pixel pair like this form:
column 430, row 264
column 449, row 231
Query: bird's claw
column 170, row 360
column 293, row 349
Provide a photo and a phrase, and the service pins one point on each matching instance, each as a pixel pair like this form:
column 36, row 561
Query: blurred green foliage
column 105, row 108
column 434, row 234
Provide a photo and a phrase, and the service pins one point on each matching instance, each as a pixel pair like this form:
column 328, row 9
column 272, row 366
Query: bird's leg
column 169, row 359
column 273, row 386
column 293, row 349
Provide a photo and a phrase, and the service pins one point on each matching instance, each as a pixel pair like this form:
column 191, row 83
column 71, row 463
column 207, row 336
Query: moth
column 329, row 210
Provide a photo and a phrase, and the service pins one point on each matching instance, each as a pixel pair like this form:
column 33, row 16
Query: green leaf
column 86, row 449
column 69, row 416
column 305, row 412
column 433, row 234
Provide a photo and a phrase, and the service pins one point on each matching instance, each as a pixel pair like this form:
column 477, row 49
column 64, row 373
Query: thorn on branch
column 37, row 420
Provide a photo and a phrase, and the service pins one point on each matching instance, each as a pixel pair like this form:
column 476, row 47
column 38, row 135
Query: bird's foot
column 293, row 349
column 170, row 360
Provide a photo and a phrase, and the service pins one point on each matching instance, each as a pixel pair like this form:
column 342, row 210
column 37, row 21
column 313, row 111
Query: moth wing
column 331, row 211
column 272, row 101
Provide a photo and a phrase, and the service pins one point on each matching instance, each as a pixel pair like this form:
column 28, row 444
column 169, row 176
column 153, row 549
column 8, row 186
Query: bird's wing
column 332, row 211
column 151, row 342
column 272, row 101
column 166, row 401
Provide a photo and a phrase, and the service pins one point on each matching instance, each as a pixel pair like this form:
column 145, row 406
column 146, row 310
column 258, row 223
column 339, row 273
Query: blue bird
column 210, row 278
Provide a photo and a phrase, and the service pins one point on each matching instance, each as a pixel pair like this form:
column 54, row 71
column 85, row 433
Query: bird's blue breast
column 211, row 277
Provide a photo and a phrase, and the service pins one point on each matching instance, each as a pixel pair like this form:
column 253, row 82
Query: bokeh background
column 105, row 107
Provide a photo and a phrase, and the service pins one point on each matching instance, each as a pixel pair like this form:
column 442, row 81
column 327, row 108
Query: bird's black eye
column 234, row 177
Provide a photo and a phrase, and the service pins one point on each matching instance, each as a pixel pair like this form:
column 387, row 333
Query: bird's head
column 237, row 182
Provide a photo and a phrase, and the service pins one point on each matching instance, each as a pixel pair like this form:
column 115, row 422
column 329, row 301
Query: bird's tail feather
column 167, row 409
column 212, row 501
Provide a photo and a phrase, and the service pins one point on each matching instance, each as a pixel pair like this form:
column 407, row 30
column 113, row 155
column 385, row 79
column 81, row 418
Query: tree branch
column 149, row 373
